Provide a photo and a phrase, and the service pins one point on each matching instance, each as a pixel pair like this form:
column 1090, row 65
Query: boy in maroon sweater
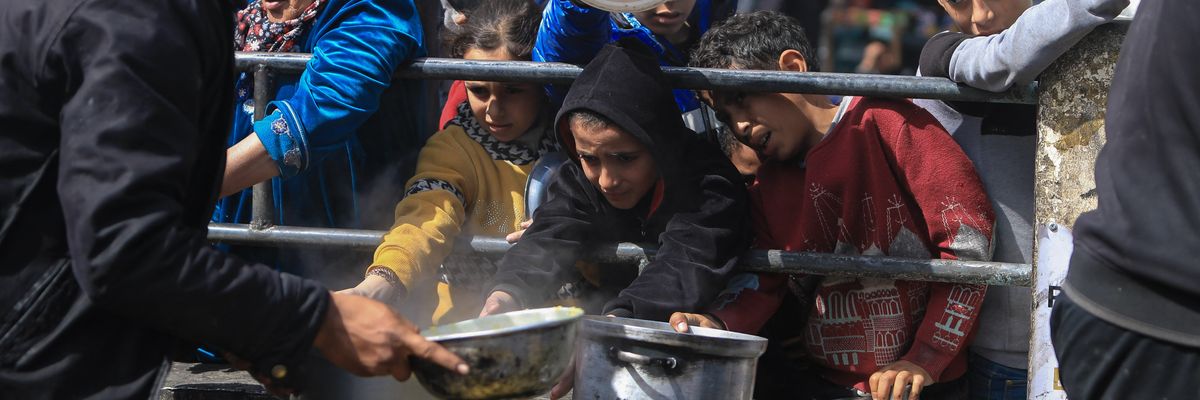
column 870, row 176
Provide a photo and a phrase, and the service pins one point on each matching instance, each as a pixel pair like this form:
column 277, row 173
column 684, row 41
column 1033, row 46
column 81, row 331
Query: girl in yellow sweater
column 470, row 176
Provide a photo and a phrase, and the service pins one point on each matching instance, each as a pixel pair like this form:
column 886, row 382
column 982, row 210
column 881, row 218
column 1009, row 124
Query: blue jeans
column 991, row 381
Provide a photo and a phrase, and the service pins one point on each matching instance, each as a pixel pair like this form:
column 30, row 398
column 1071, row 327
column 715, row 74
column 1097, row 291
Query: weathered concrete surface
column 1072, row 97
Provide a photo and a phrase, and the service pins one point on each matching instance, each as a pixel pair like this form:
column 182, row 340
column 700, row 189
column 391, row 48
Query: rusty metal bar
column 686, row 78
column 262, row 212
column 988, row 273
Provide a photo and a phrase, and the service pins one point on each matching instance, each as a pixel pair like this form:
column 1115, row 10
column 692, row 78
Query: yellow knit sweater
column 466, row 184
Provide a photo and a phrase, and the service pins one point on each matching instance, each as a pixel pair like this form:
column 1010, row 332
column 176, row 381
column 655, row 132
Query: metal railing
column 684, row 78
column 987, row 273
column 261, row 231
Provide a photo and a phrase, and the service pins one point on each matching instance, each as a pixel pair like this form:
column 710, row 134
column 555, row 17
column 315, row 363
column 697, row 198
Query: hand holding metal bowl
column 623, row 5
column 517, row 354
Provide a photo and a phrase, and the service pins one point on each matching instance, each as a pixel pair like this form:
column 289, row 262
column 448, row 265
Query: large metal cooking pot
column 517, row 354
column 621, row 358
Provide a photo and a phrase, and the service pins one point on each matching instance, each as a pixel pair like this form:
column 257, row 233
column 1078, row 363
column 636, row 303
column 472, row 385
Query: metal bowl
column 518, row 354
column 624, row 5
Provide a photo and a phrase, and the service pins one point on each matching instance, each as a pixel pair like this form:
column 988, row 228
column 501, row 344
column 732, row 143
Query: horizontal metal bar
column 293, row 63
column 988, row 273
column 686, row 78
column 294, row 236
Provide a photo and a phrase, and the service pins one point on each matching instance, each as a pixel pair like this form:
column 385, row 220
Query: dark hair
column 753, row 41
column 464, row 6
column 725, row 140
column 509, row 23
column 588, row 118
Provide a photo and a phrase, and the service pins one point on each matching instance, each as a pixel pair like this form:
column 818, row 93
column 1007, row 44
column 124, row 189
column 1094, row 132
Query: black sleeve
column 935, row 56
column 545, row 256
column 135, row 175
column 935, row 62
column 699, row 248
column 1148, row 173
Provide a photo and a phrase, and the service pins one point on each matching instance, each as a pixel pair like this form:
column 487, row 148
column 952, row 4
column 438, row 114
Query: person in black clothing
column 113, row 117
column 1129, row 324
column 637, row 175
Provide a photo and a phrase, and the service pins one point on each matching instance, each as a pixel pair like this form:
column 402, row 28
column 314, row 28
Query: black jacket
column 113, row 115
column 700, row 223
column 1135, row 260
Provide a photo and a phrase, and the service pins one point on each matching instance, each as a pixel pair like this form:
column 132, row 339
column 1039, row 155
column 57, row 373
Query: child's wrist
column 386, row 282
column 716, row 320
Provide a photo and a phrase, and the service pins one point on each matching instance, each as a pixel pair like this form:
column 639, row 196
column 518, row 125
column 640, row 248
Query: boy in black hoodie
column 637, row 175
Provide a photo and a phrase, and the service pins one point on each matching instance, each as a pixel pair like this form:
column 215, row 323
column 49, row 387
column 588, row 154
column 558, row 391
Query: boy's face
column 616, row 163
column 668, row 18
column 775, row 125
column 506, row 110
column 984, row 17
column 770, row 123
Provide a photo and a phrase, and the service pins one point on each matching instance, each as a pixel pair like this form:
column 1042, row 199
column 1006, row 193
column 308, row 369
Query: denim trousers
column 993, row 381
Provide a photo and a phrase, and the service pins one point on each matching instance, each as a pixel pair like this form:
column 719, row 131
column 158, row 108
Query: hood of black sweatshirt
column 625, row 84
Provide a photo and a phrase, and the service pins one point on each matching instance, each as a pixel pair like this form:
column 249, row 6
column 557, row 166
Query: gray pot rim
column 558, row 316
column 713, row 342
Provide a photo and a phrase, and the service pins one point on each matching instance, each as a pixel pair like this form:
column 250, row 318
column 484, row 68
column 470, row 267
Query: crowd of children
column 109, row 272
column 706, row 175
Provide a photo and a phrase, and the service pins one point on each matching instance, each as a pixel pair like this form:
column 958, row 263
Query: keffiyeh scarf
column 256, row 33
column 514, row 151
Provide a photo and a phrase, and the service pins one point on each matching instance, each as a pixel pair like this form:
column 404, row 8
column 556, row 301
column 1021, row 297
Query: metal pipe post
column 1070, row 135
column 262, row 214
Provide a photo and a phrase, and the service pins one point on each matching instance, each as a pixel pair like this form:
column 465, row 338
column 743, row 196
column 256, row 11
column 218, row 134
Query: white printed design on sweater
column 856, row 316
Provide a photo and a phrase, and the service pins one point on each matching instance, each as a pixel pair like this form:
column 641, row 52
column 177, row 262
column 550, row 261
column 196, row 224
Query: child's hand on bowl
column 682, row 322
column 499, row 302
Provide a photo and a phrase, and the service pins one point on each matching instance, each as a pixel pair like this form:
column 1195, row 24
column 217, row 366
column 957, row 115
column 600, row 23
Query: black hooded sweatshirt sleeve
column 700, row 223
column 1134, row 263
column 113, row 118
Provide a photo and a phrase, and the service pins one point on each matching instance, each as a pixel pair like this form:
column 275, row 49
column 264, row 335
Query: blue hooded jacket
column 574, row 34
column 322, row 129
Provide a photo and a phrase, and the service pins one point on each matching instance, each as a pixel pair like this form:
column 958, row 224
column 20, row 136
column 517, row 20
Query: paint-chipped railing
column 262, row 232
column 988, row 273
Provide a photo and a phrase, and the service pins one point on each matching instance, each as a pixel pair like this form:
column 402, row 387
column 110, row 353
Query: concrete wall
column 1072, row 97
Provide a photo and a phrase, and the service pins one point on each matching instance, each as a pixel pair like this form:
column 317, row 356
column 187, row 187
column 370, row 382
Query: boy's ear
column 792, row 60
column 566, row 140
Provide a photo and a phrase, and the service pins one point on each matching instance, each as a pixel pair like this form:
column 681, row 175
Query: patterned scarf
column 514, row 151
column 255, row 33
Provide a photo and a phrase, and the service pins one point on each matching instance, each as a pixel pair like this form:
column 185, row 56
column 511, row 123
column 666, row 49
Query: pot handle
column 667, row 363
